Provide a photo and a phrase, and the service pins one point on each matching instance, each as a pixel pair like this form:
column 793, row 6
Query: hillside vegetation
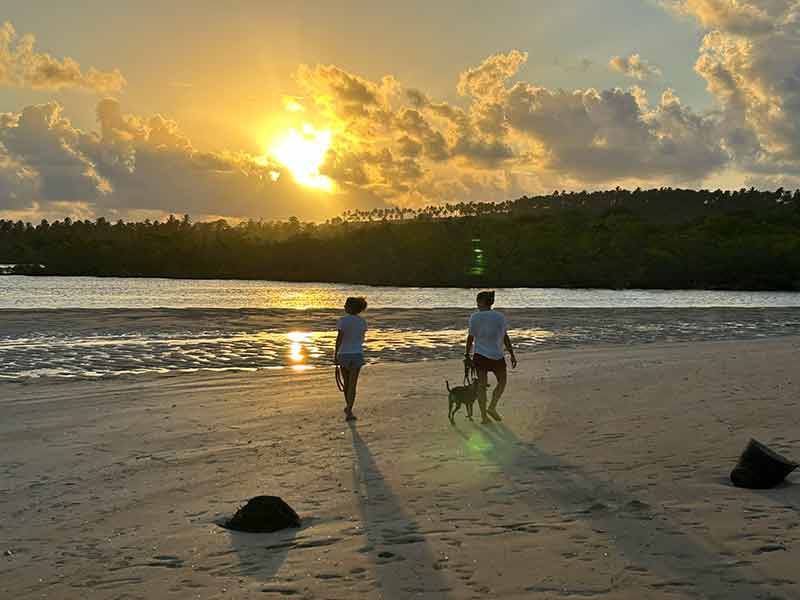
column 662, row 238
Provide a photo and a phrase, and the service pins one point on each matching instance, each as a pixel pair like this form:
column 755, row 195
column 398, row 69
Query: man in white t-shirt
column 489, row 331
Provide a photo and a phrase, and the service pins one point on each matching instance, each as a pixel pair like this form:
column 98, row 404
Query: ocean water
column 92, row 343
column 115, row 292
column 88, row 327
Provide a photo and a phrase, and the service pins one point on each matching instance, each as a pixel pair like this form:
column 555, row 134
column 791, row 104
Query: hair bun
column 355, row 304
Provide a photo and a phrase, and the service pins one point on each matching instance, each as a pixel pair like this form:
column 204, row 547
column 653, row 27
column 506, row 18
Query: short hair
column 355, row 305
column 486, row 297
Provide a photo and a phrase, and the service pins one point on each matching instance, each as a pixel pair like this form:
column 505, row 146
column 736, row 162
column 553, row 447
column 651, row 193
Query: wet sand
column 608, row 480
column 80, row 343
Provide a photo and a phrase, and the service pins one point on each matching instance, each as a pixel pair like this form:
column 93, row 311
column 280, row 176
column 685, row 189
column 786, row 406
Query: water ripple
column 88, row 343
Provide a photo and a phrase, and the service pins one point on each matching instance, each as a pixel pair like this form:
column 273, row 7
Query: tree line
column 658, row 238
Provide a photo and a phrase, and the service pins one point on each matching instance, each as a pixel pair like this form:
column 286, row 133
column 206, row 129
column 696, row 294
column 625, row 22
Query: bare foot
column 494, row 414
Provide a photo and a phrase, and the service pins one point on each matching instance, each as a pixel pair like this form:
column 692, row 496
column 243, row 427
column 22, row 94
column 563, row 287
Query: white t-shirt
column 353, row 328
column 488, row 327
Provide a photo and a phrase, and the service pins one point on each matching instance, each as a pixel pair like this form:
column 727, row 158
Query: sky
column 257, row 109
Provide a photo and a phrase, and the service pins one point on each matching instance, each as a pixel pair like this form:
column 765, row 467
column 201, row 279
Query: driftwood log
column 264, row 514
column 760, row 468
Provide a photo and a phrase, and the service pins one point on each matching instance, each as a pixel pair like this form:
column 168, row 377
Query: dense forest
column 660, row 238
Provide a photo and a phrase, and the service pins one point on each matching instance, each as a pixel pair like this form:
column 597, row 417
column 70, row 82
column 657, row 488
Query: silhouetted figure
column 489, row 331
column 349, row 353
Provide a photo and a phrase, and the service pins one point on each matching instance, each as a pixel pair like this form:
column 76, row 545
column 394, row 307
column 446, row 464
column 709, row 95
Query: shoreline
column 474, row 285
column 103, row 343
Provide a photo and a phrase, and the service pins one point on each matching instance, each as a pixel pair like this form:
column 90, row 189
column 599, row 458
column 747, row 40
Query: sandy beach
column 607, row 479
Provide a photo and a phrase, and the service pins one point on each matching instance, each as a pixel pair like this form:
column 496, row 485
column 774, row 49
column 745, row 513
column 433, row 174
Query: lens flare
column 478, row 443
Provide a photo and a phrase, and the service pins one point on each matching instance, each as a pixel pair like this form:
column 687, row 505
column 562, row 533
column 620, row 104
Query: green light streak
column 478, row 261
column 478, row 443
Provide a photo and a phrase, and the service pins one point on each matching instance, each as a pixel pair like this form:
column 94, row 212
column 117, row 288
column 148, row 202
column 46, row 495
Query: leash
column 470, row 372
column 339, row 380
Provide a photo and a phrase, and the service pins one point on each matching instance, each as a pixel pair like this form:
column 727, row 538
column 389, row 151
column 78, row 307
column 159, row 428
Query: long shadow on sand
column 404, row 563
column 261, row 555
column 683, row 562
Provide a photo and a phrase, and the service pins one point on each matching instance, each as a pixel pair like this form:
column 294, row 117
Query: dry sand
column 608, row 479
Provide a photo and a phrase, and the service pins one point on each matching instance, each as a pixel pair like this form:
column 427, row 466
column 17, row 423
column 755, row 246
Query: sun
column 303, row 152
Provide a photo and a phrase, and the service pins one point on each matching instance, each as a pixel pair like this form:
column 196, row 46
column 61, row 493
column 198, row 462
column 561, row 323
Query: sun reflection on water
column 299, row 350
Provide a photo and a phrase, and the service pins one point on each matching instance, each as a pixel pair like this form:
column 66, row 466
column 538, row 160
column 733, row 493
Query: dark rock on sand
column 760, row 468
column 264, row 514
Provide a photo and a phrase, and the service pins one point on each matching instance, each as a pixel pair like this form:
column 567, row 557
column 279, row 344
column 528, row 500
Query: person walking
column 488, row 330
column 349, row 353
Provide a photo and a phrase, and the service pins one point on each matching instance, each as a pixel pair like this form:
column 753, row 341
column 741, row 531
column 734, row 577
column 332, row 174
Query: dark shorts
column 351, row 361
column 490, row 365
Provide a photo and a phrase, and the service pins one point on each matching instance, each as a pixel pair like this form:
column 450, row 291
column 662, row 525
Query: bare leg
column 352, row 382
column 497, row 394
column 502, row 379
column 346, row 382
column 482, row 381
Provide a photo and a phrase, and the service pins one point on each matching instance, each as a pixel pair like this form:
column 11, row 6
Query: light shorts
column 353, row 360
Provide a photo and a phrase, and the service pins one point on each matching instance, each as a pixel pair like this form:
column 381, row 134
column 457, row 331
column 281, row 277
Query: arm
column 470, row 337
column 336, row 350
column 510, row 348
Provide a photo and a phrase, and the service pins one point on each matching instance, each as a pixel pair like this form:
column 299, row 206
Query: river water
column 117, row 292
column 105, row 327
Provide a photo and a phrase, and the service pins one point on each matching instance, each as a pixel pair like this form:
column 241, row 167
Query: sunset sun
column 303, row 152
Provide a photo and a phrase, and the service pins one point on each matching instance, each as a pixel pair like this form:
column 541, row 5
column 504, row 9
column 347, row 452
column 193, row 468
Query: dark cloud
column 598, row 136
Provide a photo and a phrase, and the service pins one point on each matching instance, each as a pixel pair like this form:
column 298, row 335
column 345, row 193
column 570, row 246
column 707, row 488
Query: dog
column 462, row 394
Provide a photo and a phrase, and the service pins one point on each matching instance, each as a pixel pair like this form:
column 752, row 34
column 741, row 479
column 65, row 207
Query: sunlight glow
column 303, row 152
column 298, row 353
column 298, row 336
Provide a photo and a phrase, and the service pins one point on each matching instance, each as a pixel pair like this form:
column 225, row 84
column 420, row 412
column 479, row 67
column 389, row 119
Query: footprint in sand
column 767, row 548
column 282, row 591
column 386, row 557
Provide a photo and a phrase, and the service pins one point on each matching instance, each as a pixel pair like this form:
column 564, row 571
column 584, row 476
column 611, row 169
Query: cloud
column 43, row 143
column 487, row 79
column 395, row 144
column 390, row 144
column 634, row 66
column 596, row 136
column 735, row 16
column 136, row 165
column 750, row 61
column 21, row 65
column 18, row 182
